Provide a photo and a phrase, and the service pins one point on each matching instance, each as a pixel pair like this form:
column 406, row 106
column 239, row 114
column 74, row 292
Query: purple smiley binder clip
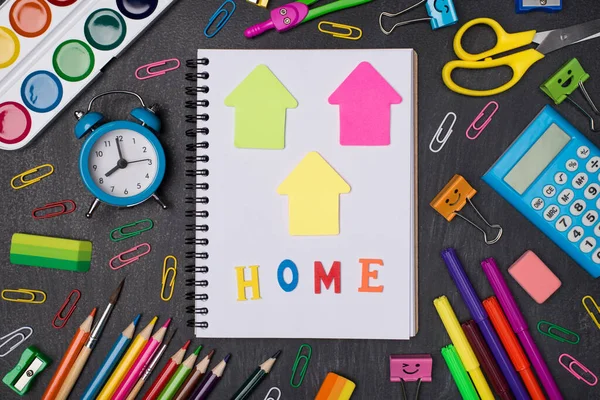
column 410, row 368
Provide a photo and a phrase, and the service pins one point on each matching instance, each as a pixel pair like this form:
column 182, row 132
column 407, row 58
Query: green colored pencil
column 179, row 377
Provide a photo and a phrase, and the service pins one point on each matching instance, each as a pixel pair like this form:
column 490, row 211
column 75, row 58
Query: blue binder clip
column 523, row 6
column 441, row 13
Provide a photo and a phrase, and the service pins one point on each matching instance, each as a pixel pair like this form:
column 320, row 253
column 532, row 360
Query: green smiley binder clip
column 564, row 82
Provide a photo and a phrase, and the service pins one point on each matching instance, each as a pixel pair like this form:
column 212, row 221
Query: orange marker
column 513, row 347
column 81, row 336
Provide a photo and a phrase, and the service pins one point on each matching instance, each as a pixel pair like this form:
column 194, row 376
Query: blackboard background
column 178, row 33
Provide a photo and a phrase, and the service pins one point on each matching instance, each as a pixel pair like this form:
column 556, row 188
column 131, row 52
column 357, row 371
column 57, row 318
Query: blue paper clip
column 523, row 6
column 441, row 13
column 224, row 14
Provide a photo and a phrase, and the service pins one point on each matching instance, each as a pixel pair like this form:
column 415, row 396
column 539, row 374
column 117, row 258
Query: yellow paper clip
column 346, row 31
column 24, row 179
column 32, row 293
column 591, row 312
column 165, row 275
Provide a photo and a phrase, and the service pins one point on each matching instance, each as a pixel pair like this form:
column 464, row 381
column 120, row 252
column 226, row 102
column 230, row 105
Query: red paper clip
column 151, row 70
column 479, row 129
column 63, row 206
column 123, row 261
column 58, row 317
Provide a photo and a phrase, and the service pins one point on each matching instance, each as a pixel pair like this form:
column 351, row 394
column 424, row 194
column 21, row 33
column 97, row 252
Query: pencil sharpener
column 21, row 377
column 410, row 367
column 260, row 3
column 523, row 6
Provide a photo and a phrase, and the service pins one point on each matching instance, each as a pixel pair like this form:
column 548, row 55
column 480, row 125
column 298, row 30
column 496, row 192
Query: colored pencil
column 255, row 378
column 111, row 360
column 86, row 351
column 166, row 373
column 183, row 371
column 208, row 384
column 150, row 366
column 513, row 348
column 126, row 362
column 137, row 369
column 190, row 383
column 79, row 339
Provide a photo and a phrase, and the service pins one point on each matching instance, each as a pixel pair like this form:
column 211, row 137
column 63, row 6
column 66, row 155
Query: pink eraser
column 534, row 276
column 410, row 367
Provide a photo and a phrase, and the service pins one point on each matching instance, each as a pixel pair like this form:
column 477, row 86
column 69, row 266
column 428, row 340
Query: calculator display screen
column 537, row 158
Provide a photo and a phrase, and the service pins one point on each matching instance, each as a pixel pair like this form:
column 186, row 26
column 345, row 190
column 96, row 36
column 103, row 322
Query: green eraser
column 50, row 252
column 565, row 81
column 32, row 362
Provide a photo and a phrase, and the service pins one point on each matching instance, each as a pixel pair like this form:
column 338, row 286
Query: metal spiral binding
column 198, row 134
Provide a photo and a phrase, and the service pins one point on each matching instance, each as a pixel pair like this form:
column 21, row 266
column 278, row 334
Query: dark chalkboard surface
column 178, row 34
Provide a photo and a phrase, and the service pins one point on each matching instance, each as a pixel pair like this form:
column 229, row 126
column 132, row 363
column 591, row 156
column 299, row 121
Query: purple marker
column 480, row 316
column 210, row 380
column 518, row 325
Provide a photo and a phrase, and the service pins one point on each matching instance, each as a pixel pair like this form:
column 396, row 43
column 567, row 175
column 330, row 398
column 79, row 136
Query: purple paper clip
column 410, row 367
column 583, row 368
column 124, row 260
column 151, row 70
column 479, row 129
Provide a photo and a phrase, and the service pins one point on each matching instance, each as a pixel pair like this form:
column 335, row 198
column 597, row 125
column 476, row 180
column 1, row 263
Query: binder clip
column 441, row 13
column 411, row 368
column 260, row 3
column 453, row 197
column 564, row 82
column 523, row 6
column 32, row 362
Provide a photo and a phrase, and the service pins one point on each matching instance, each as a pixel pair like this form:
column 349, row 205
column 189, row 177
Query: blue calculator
column 551, row 174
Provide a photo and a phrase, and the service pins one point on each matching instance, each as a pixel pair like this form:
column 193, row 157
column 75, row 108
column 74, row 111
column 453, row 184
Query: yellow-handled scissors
column 519, row 62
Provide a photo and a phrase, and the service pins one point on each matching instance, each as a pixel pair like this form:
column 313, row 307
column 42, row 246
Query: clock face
column 123, row 163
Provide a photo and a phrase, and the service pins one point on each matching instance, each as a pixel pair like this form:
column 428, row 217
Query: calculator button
column 563, row 223
column 560, row 178
column 572, row 165
column 580, row 180
column 549, row 190
column 565, row 197
column 589, row 218
column 537, row 203
column 591, row 191
column 577, row 207
column 593, row 164
column 583, row 152
column 597, row 230
column 551, row 212
column 587, row 244
column 596, row 256
column 575, row 234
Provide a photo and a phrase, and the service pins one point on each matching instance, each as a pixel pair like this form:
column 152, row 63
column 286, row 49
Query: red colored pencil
column 166, row 373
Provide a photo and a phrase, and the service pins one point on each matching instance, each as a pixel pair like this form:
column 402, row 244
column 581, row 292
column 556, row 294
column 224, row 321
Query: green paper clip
column 300, row 357
column 32, row 362
column 118, row 234
column 564, row 82
column 553, row 327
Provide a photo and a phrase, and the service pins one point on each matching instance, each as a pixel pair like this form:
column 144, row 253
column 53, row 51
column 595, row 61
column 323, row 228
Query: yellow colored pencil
column 126, row 362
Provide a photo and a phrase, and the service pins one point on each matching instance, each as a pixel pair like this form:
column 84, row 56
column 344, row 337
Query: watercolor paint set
column 50, row 50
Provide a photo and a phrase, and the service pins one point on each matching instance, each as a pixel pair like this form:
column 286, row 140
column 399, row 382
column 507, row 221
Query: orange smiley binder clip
column 453, row 197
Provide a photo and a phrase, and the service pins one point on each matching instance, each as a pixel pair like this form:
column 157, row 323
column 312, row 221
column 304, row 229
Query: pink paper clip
column 583, row 368
column 59, row 315
column 480, row 129
column 123, row 260
column 151, row 70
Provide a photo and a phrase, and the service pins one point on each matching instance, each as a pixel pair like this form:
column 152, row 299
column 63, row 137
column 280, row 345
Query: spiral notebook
column 303, row 209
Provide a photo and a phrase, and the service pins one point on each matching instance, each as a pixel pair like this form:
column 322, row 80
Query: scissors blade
column 559, row 38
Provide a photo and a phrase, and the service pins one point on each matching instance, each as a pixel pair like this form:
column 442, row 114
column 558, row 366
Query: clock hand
column 145, row 159
column 119, row 148
column 112, row 171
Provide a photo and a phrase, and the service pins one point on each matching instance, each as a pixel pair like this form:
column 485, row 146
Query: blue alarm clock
column 122, row 163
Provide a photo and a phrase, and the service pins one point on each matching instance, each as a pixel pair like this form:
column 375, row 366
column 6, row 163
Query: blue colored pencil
column 111, row 361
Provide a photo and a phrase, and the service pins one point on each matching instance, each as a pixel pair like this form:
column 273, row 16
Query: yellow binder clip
column 31, row 176
column 593, row 313
column 165, row 277
column 344, row 32
column 32, row 296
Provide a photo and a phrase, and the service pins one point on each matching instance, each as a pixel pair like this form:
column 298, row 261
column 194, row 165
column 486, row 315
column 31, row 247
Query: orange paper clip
column 156, row 69
column 479, row 129
column 59, row 315
column 124, row 260
column 591, row 379
column 31, row 176
column 54, row 209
